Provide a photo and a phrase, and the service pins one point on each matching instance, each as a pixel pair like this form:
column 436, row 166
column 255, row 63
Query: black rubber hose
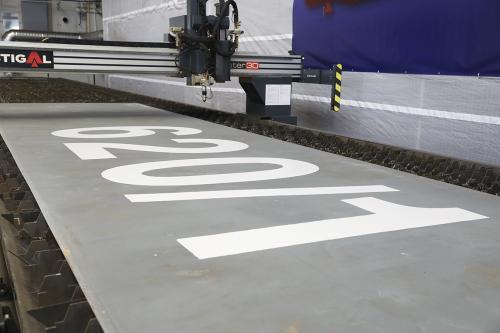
column 195, row 38
column 215, row 30
column 228, row 54
column 224, row 9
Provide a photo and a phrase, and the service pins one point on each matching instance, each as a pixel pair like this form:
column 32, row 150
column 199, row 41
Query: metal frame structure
column 131, row 60
column 201, row 48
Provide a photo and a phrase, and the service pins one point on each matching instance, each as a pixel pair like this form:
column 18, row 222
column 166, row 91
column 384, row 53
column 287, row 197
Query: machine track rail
column 467, row 174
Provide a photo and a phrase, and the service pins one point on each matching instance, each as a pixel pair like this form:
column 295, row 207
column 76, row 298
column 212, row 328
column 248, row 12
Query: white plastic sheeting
column 452, row 116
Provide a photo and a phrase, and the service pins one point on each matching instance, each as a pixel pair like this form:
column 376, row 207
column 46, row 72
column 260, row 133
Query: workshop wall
column 10, row 15
column 449, row 37
column 75, row 17
column 59, row 16
column 141, row 20
column 453, row 116
column 35, row 16
column 68, row 17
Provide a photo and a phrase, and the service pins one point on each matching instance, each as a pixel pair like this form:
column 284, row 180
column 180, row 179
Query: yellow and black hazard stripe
column 337, row 88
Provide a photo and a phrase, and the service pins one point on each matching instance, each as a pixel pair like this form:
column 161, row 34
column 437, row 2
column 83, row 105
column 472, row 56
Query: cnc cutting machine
column 200, row 47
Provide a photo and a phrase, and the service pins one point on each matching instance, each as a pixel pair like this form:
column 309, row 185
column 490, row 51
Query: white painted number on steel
column 126, row 132
column 257, row 193
column 135, row 174
column 386, row 217
column 98, row 150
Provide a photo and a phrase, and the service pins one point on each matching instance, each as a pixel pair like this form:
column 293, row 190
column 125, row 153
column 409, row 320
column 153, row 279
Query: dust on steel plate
column 173, row 224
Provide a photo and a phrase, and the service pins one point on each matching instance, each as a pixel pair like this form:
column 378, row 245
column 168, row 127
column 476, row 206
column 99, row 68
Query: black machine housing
column 205, row 43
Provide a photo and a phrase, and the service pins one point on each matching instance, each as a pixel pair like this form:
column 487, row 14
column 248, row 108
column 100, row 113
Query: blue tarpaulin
column 453, row 37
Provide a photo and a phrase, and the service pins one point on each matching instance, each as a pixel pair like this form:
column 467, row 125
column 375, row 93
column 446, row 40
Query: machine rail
column 79, row 58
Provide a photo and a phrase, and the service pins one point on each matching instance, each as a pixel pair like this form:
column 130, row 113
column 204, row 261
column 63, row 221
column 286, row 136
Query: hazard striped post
column 337, row 88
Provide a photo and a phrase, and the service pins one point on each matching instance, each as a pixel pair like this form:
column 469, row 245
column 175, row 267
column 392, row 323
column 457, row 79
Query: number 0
column 135, row 174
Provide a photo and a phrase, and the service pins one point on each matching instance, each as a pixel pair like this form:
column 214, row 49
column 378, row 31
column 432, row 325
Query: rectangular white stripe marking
column 169, row 5
column 473, row 118
column 85, row 62
column 386, row 217
column 119, row 55
column 186, row 196
column 253, row 39
column 121, row 69
column 366, row 105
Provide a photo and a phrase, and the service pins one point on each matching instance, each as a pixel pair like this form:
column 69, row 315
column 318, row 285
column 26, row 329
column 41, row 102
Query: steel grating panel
column 173, row 224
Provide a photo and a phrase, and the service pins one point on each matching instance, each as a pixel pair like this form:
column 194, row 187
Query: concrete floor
column 336, row 246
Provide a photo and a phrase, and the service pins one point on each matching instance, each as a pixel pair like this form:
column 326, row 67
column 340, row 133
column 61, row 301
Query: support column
column 269, row 98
